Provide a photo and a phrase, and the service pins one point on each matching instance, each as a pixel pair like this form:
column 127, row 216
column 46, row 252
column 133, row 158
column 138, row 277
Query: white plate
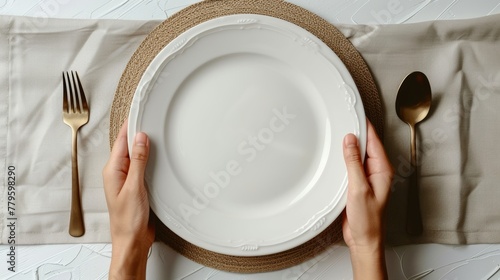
column 246, row 116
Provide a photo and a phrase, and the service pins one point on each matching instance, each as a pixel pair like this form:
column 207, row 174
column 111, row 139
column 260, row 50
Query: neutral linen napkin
column 33, row 138
column 458, row 152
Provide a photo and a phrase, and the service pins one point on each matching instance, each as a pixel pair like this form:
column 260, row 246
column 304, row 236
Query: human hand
column 367, row 195
column 131, row 232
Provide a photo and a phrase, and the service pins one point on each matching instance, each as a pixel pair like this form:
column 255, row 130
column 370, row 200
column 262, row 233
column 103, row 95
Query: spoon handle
column 414, row 218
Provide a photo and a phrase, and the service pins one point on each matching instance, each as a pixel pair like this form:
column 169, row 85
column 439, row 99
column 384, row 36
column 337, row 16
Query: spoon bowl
column 414, row 98
column 413, row 103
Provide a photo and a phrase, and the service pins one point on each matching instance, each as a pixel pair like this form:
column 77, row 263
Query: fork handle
column 76, row 226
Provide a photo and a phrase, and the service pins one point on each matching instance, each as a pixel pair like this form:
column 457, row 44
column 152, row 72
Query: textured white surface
column 91, row 261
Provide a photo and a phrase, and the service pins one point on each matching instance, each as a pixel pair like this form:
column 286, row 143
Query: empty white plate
column 246, row 116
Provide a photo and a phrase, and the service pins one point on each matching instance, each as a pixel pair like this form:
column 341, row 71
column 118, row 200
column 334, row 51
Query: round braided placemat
column 209, row 9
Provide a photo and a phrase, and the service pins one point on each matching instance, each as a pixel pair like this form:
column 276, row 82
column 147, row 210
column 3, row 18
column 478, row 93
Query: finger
column 375, row 151
column 374, row 147
column 115, row 171
column 378, row 165
column 353, row 161
column 139, row 159
column 120, row 149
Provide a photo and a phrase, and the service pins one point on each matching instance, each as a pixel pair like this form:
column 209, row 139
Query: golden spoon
column 412, row 106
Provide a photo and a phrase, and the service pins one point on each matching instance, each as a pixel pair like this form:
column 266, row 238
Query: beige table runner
column 459, row 157
column 33, row 138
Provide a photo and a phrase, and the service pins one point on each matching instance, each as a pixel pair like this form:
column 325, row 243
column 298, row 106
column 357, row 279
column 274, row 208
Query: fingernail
column 350, row 140
column 141, row 139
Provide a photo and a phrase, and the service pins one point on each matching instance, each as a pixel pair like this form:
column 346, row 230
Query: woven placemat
column 209, row 9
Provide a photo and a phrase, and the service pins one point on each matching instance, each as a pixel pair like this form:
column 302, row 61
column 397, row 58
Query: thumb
column 353, row 162
column 139, row 158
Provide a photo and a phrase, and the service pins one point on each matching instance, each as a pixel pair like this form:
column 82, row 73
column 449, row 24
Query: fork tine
column 85, row 106
column 75, row 103
column 71, row 94
column 65, row 93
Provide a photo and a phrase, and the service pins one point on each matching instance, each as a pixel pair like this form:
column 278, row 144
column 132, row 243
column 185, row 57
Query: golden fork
column 75, row 114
